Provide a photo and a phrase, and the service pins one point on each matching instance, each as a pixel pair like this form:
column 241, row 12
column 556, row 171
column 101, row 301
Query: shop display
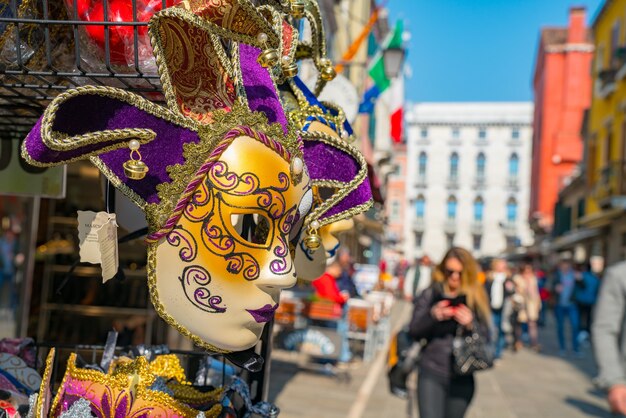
column 126, row 45
column 245, row 179
column 148, row 385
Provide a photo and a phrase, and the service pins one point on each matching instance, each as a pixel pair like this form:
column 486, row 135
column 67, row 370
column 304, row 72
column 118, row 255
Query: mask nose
column 280, row 272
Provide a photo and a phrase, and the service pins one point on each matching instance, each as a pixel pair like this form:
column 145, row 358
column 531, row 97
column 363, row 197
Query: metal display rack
column 43, row 52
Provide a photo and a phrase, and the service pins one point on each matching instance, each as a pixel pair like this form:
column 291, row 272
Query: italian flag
column 392, row 90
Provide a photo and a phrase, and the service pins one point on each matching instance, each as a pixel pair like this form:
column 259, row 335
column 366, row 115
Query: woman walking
column 455, row 299
column 529, row 306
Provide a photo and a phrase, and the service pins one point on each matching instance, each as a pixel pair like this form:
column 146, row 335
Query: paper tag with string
column 97, row 235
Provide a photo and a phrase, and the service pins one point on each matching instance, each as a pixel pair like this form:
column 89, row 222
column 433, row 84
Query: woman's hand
column 442, row 311
column 463, row 315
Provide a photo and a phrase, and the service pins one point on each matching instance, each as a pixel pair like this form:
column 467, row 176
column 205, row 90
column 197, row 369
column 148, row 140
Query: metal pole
column 29, row 268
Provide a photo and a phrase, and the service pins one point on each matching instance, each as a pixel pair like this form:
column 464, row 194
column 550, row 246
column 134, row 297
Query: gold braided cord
column 242, row 96
column 61, row 142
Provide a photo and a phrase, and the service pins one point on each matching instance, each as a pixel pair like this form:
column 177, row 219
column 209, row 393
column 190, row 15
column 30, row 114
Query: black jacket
column 436, row 355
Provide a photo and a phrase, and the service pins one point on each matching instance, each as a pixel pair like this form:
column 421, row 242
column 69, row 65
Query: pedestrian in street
column 565, row 308
column 500, row 287
column 326, row 287
column 418, row 278
column 455, row 299
column 609, row 337
column 585, row 295
column 545, row 295
column 527, row 292
column 345, row 281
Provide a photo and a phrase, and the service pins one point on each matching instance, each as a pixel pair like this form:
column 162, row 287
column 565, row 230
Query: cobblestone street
column 522, row 385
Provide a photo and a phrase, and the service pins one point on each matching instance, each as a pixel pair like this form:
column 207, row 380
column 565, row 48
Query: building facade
column 395, row 210
column 467, row 178
column 562, row 92
column 605, row 141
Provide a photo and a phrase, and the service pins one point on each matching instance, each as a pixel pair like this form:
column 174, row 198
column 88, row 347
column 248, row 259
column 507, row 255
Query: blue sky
column 477, row 50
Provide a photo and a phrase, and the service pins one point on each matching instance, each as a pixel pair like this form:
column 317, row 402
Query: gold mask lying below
column 217, row 275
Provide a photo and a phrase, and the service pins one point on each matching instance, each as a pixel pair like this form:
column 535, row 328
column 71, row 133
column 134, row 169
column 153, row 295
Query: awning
column 574, row 237
column 604, row 218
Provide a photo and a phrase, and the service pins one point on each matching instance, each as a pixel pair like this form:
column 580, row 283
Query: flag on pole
column 396, row 107
column 377, row 69
column 369, row 100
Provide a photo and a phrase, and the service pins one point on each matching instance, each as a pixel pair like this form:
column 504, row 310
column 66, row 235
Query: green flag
column 377, row 68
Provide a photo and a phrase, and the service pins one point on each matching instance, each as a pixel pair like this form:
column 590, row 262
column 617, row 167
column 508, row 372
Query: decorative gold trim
column 118, row 183
column 45, row 384
column 162, row 66
column 229, row 33
column 341, row 192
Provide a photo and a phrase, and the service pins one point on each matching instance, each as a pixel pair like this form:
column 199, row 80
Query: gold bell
column 296, row 9
column 328, row 72
column 135, row 169
column 313, row 242
column 290, row 69
column 268, row 58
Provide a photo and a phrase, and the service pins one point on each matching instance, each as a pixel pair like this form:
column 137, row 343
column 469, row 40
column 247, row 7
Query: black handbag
column 472, row 352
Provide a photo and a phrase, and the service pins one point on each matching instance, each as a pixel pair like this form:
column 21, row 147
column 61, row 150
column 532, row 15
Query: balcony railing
column 509, row 228
column 605, row 84
column 610, row 183
column 480, row 183
column 453, row 183
column 450, row 226
column 477, row 228
column 419, row 225
column 512, row 183
column 421, row 182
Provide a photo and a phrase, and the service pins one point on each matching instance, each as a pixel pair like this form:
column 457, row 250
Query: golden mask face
column 221, row 269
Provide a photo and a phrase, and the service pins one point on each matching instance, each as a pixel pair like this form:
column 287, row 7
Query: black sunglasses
column 449, row 272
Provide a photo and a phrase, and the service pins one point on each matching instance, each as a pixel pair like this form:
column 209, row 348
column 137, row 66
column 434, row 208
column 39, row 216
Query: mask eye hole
column 251, row 227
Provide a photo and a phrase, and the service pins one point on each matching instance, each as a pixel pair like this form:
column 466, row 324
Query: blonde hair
column 470, row 286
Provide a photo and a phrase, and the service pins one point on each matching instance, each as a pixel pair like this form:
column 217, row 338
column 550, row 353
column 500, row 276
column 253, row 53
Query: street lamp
column 393, row 58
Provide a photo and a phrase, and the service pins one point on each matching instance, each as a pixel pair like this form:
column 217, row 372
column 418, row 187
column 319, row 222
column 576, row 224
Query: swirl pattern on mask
column 195, row 281
column 182, row 237
column 210, row 205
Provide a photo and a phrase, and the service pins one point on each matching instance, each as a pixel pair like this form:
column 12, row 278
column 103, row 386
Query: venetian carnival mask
column 131, row 389
column 226, row 189
column 338, row 170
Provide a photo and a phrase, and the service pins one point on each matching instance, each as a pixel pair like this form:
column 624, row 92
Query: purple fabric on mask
column 359, row 196
column 326, row 162
column 93, row 113
column 260, row 90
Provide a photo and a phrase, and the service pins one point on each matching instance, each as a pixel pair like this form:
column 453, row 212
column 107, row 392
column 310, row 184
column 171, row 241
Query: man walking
column 609, row 336
column 418, row 278
column 564, row 286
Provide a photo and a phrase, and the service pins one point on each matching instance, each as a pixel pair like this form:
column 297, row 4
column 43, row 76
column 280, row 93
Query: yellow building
column 605, row 141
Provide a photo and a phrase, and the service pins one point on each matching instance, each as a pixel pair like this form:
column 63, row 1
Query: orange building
column 562, row 86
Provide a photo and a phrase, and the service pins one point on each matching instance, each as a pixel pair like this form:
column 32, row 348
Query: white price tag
column 97, row 235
